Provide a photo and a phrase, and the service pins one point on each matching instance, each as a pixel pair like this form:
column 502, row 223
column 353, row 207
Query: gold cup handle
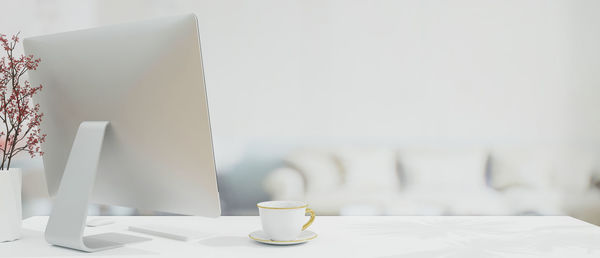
column 310, row 221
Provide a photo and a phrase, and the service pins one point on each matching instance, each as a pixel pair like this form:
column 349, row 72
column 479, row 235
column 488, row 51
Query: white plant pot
column 10, row 204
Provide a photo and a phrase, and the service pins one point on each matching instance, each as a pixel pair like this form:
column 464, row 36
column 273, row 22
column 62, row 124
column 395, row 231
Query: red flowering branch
column 19, row 117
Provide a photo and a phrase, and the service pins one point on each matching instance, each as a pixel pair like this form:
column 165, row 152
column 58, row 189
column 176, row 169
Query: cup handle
column 310, row 221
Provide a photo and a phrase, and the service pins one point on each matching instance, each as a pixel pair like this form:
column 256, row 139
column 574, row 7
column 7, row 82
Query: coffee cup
column 284, row 220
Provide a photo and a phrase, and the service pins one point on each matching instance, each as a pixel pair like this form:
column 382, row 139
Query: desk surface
column 344, row 237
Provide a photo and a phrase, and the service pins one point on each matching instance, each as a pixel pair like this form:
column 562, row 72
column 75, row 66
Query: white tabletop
column 345, row 237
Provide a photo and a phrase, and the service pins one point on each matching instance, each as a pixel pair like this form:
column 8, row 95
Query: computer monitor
column 126, row 113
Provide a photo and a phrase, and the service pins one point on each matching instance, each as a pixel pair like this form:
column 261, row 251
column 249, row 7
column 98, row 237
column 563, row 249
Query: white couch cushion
column 520, row 167
column 285, row 184
column 542, row 168
column 444, row 170
column 320, row 169
column 573, row 173
column 523, row 201
column 369, row 169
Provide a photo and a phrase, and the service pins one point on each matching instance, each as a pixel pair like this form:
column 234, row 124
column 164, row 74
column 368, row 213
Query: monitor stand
column 69, row 212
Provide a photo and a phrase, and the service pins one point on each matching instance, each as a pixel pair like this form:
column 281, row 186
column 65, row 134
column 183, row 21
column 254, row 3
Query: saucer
column 262, row 237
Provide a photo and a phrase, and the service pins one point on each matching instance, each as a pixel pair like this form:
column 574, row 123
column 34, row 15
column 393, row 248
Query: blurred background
column 415, row 107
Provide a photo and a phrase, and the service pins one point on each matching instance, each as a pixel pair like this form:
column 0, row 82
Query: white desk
column 346, row 237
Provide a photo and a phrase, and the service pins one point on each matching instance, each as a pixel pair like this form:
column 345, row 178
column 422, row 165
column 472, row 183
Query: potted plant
column 19, row 131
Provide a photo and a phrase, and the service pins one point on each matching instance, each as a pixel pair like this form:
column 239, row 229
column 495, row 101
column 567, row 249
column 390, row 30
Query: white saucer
column 262, row 237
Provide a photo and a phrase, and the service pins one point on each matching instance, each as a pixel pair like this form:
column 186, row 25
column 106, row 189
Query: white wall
column 421, row 71
column 404, row 71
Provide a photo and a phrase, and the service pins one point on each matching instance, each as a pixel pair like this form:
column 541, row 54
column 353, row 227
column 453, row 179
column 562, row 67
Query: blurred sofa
column 539, row 180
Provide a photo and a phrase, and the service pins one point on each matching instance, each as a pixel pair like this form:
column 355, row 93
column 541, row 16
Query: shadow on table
column 226, row 241
column 31, row 245
column 231, row 241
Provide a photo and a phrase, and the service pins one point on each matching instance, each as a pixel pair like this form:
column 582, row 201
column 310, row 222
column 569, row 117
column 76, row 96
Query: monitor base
column 174, row 233
column 69, row 212
column 111, row 240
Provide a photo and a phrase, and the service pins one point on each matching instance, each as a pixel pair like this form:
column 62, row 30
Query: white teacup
column 284, row 220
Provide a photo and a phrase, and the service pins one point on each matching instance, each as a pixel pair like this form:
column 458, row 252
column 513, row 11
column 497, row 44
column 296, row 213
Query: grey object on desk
column 98, row 222
column 169, row 232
